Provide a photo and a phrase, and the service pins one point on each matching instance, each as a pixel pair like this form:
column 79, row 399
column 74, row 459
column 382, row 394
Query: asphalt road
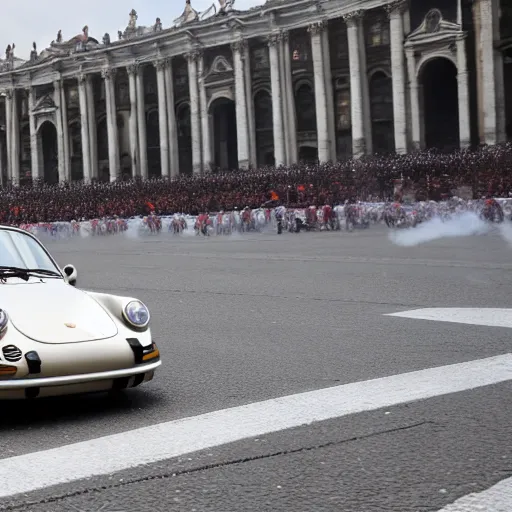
column 249, row 318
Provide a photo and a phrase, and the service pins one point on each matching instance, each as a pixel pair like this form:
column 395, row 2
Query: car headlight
column 136, row 314
column 4, row 320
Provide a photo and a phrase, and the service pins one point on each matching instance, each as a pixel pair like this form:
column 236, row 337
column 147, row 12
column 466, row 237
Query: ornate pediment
column 221, row 70
column 220, row 65
column 434, row 28
column 45, row 105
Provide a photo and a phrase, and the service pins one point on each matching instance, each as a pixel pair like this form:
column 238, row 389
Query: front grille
column 11, row 353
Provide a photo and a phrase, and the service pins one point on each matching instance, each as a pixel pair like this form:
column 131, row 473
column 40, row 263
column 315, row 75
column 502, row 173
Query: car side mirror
column 71, row 274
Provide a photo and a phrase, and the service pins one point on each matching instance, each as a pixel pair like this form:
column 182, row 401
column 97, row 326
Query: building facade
column 289, row 81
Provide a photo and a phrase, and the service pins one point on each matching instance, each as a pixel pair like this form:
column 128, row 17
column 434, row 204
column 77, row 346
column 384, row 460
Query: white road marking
column 490, row 317
column 154, row 443
column 496, row 499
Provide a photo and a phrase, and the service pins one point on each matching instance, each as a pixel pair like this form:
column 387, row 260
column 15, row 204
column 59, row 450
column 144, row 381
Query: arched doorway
column 440, row 104
column 153, row 141
column 264, row 128
column 184, row 138
column 381, row 106
column 48, row 135
column 225, row 146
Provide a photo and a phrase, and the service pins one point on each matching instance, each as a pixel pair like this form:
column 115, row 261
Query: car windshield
column 22, row 251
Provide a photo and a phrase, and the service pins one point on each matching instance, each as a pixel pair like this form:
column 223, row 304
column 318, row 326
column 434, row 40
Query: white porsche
column 58, row 340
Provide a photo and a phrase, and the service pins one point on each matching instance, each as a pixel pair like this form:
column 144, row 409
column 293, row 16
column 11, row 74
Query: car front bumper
column 74, row 384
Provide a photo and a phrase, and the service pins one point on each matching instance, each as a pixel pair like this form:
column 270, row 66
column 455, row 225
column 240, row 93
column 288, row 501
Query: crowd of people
column 432, row 175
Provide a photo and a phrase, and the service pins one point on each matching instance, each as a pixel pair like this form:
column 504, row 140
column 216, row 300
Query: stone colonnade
column 405, row 66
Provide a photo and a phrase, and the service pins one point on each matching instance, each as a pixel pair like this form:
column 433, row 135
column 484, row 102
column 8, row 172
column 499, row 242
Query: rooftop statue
column 33, row 53
column 133, row 19
column 189, row 14
column 226, row 5
column 9, row 52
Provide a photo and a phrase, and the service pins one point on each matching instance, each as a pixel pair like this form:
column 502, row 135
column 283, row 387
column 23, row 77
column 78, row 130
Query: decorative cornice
column 396, row 8
column 351, row 18
column 316, row 28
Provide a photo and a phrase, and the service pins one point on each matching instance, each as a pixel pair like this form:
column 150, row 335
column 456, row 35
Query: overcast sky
column 24, row 21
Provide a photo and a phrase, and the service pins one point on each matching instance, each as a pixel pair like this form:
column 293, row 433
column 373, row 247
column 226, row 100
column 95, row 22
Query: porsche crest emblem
column 71, row 326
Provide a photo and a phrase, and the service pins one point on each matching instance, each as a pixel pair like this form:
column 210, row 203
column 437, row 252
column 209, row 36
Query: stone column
column 396, row 29
column 60, row 131
column 192, row 58
column 93, row 134
column 8, row 133
column 251, row 120
column 463, row 94
column 286, row 128
column 134, row 139
column 84, row 125
column 1, row 161
column 205, row 118
column 277, row 117
column 242, row 130
column 415, row 100
column 367, row 115
column 65, row 132
column 141, row 124
column 488, row 71
column 324, row 149
column 162, row 118
column 174, row 155
column 15, row 140
column 108, row 75
column 329, row 93
column 356, row 88
column 34, row 146
column 290, row 101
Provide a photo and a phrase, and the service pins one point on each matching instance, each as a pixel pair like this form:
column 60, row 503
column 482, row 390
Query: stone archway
column 438, row 78
column 225, row 144
column 48, row 135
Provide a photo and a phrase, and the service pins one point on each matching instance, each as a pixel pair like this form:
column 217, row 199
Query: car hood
column 55, row 312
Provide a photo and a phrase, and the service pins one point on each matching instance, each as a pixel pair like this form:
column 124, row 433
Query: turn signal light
column 153, row 354
column 7, row 371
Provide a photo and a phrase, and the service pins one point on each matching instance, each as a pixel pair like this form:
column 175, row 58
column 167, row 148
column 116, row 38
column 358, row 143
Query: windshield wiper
column 26, row 273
